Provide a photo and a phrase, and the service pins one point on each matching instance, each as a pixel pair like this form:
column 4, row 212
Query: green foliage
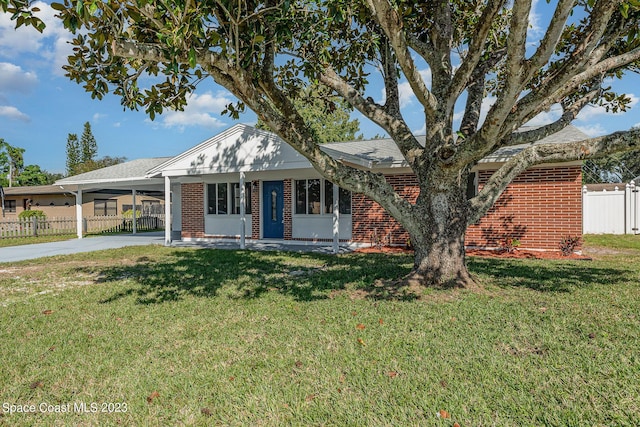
column 11, row 162
column 33, row 175
column 31, row 214
column 569, row 244
column 620, row 167
column 327, row 115
column 129, row 214
column 73, row 154
column 88, row 145
column 81, row 154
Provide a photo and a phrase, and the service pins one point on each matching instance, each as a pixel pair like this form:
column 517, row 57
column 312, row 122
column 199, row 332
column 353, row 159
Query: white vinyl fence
column 611, row 212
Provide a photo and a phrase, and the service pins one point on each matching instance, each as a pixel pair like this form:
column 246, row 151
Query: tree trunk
column 438, row 238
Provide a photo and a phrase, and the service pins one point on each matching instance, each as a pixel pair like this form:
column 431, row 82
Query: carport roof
column 122, row 175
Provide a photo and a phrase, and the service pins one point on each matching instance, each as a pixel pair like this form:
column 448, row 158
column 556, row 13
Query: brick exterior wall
column 370, row 222
column 193, row 210
column 288, row 220
column 538, row 208
column 255, row 209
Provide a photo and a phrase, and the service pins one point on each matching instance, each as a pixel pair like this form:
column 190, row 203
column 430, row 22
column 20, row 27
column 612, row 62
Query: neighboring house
column 58, row 202
column 285, row 198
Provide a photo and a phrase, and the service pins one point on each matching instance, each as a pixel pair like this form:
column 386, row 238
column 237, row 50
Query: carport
column 128, row 176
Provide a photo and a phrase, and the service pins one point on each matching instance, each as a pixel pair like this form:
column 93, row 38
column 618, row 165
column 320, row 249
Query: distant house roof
column 121, row 174
column 605, row 187
column 34, row 190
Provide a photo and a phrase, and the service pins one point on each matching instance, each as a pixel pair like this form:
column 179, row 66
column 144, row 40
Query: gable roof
column 239, row 148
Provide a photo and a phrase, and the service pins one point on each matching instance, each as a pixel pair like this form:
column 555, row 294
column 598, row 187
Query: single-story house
column 285, row 198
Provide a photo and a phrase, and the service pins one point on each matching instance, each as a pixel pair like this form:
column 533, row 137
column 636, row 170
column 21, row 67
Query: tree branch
column 548, row 44
column 466, row 70
column 569, row 114
column 388, row 19
column 547, row 153
column 395, row 126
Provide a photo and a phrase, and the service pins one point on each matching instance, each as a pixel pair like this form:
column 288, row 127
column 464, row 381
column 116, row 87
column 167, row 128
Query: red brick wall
column 539, row 207
column 193, row 210
column 255, row 209
column 370, row 221
column 288, row 220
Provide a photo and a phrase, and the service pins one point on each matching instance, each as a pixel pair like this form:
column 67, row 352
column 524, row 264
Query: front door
column 273, row 209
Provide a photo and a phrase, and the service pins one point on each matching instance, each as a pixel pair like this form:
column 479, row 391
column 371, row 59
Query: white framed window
column 224, row 198
column 315, row 197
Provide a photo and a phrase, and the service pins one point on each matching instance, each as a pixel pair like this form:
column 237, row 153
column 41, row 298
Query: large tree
column 327, row 115
column 11, row 163
column 451, row 54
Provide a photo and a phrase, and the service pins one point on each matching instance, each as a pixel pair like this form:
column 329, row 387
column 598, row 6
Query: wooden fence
column 67, row 226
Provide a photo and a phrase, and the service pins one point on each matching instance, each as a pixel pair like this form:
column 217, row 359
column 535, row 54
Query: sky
column 39, row 107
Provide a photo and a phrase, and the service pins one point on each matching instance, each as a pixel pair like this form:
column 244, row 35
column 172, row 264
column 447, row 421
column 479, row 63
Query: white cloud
column 593, row 130
column 13, row 113
column 591, row 113
column 546, row 117
column 198, row 111
column 98, row 116
column 52, row 44
column 405, row 93
column 14, row 78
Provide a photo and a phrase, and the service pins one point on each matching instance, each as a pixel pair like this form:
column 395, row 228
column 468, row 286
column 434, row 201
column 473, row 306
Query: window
column 10, row 205
column 224, row 198
column 105, row 207
column 472, row 185
column 310, row 193
column 308, row 196
column 235, row 200
column 152, row 207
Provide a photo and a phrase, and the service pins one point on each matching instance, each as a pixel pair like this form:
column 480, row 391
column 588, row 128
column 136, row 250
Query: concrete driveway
column 73, row 246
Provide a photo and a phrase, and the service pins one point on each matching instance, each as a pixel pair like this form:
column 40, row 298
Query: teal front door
column 273, row 209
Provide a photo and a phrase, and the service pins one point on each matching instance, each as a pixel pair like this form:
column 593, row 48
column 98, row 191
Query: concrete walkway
column 90, row 244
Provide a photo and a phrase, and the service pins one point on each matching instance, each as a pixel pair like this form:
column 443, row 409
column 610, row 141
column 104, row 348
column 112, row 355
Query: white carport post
column 336, row 219
column 243, row 219
column 167, row 211
column 79, row 217
column 134, row 226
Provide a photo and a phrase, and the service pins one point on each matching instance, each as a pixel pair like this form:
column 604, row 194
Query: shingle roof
column 385, row 153
column 127, row 171
column 568, row 134
column 32, row 190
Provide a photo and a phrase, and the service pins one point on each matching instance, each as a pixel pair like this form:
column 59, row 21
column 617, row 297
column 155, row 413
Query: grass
column 626, row 241
column 209, row 337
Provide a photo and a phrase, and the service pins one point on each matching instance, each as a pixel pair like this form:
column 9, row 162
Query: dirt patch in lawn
column 516, row 253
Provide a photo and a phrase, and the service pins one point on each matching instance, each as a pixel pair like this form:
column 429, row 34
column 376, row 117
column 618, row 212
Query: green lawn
column 208, row 337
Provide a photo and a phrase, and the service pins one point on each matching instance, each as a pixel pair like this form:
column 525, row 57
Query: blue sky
column 39, row 107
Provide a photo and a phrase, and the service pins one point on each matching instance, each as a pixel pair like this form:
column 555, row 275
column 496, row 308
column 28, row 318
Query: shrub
column 31, row 213
column 568, row 244
column 129, row 213
column 509, row 244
